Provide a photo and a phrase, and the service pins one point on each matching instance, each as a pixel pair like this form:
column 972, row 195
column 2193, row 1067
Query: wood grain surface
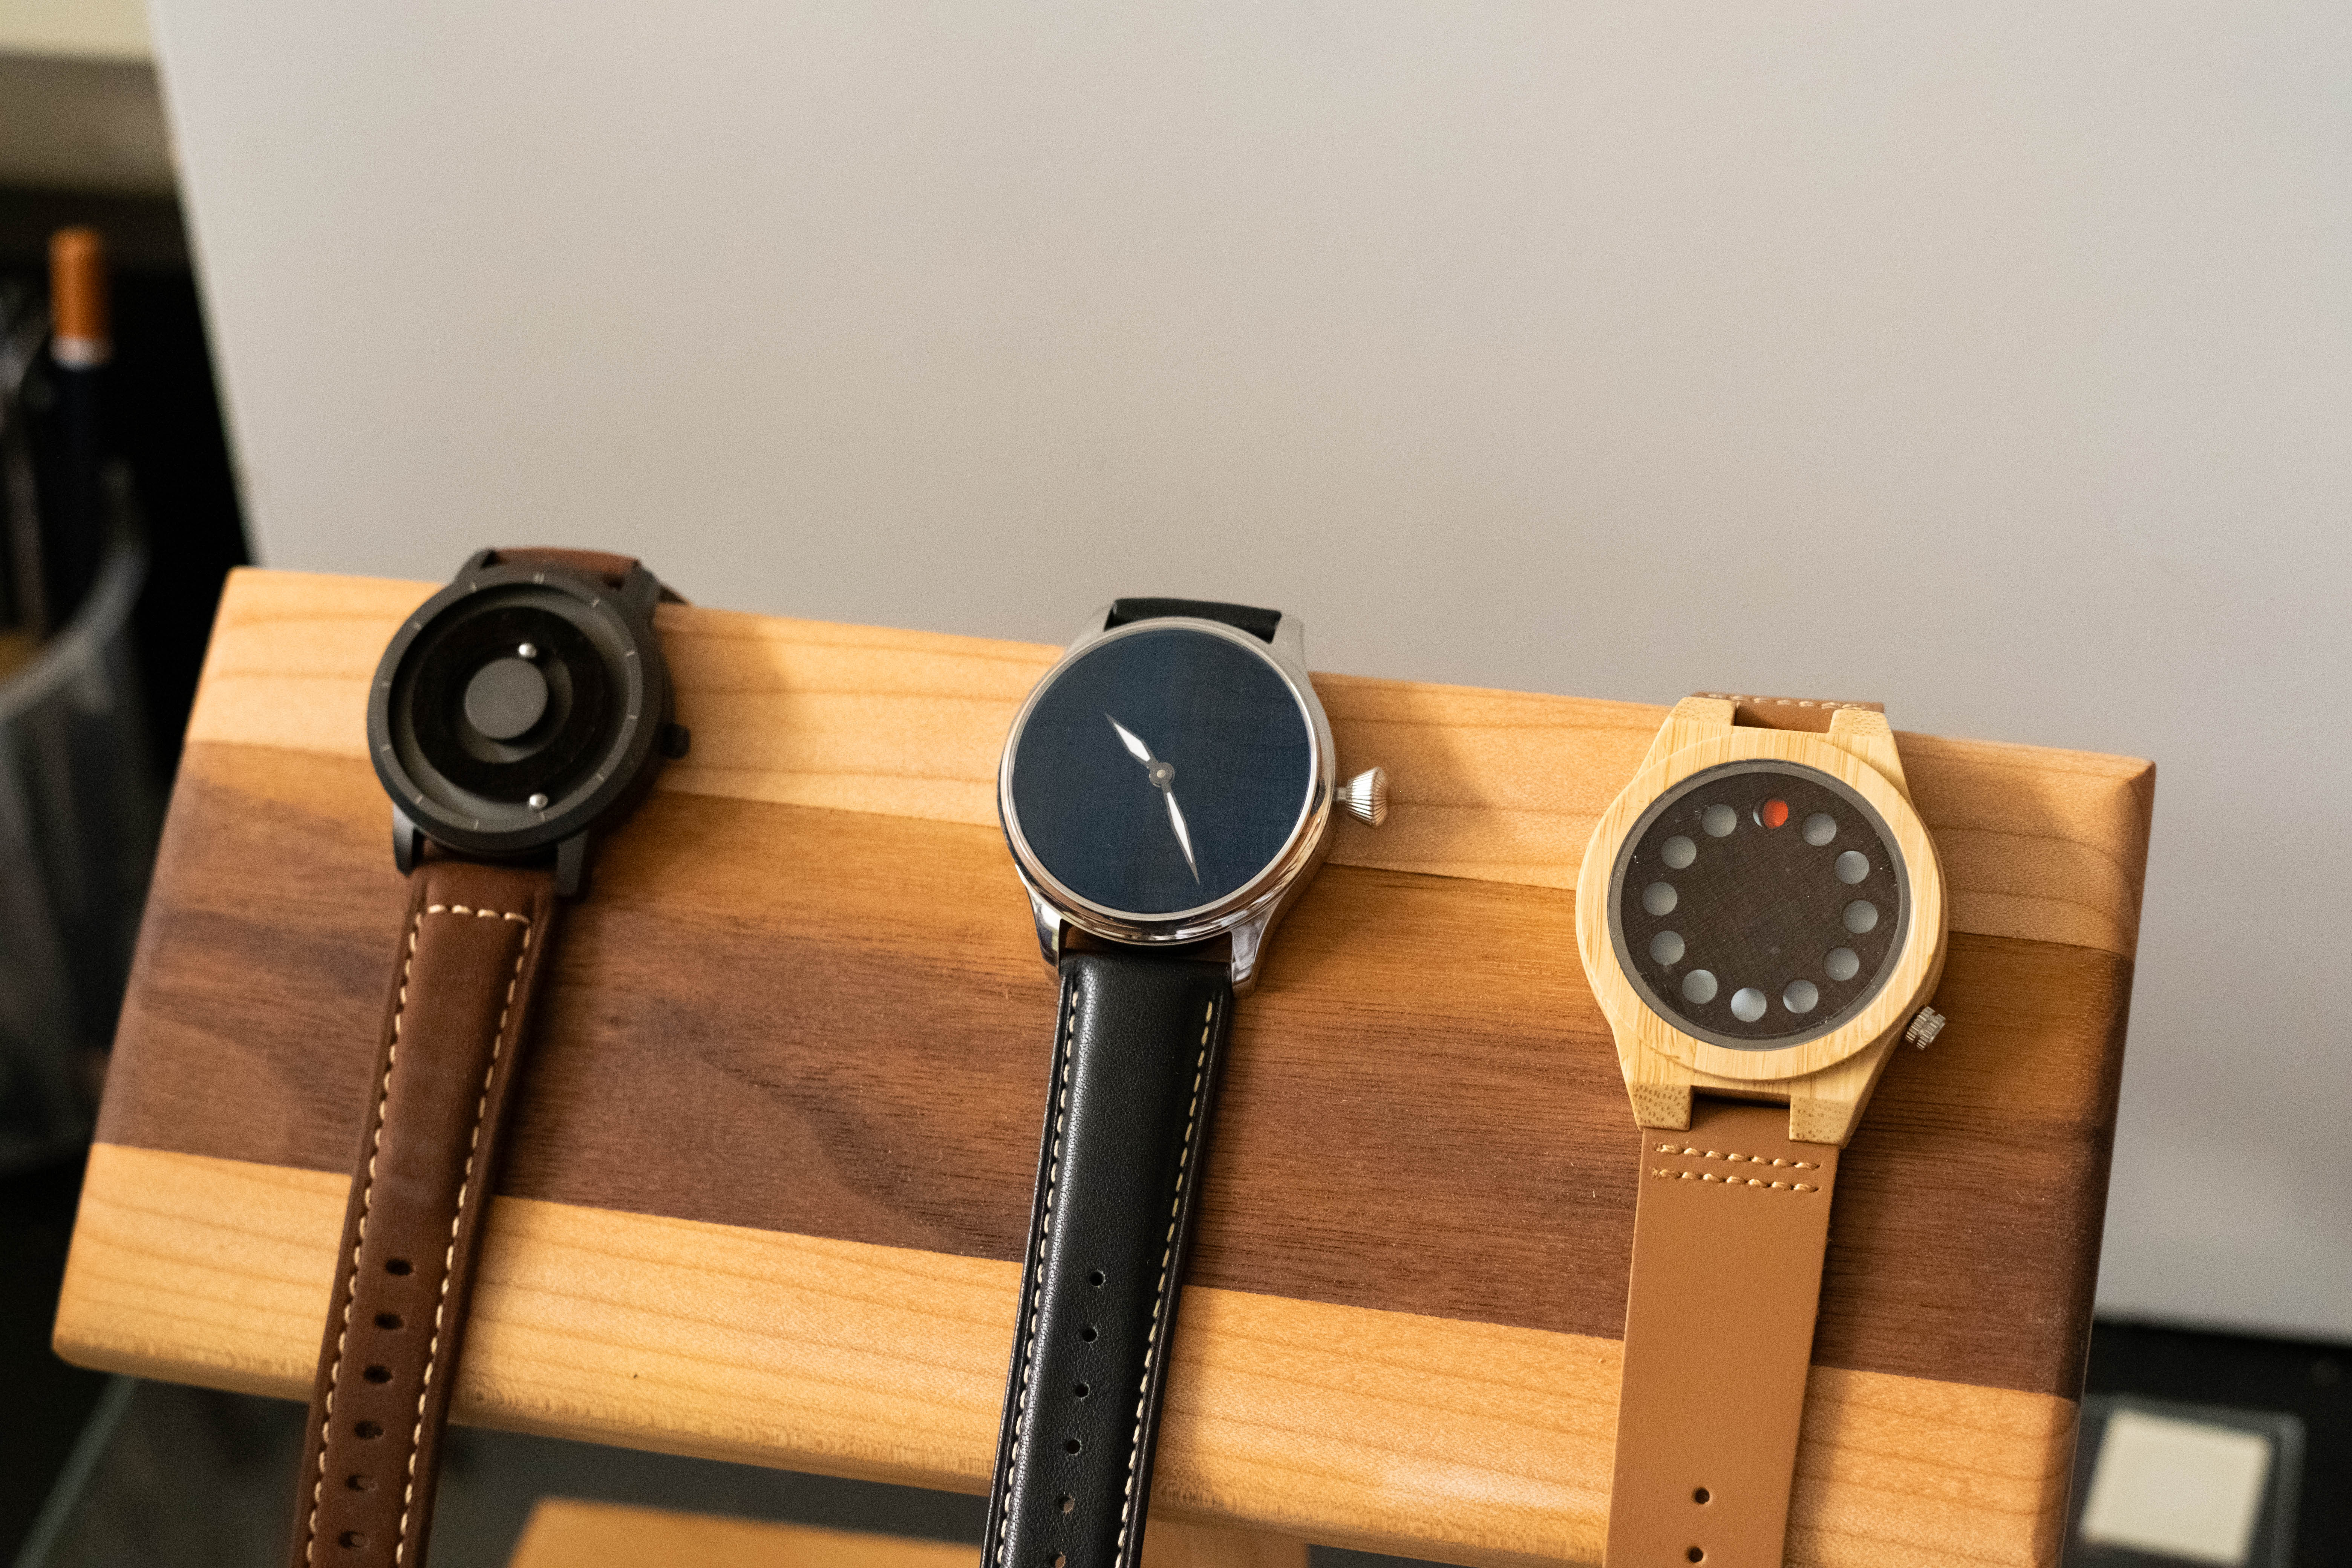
column 1425, row 1436
column 1504, row 786
column 836, row 1024
column 568, row 1532
column 800, row 1019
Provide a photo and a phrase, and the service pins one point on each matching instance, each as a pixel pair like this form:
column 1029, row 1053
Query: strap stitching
column 359, row 1238
column 1735, row 1159
column 1161, row 1292
column 1044, row 1228
column 464, row 1184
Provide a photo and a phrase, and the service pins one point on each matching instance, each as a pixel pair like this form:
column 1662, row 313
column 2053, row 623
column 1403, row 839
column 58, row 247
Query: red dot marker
column 1773, row 813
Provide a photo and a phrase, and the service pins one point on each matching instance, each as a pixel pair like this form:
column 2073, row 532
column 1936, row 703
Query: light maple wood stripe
column 566, row 1532
column 1428, row 1437
column 1498, row 785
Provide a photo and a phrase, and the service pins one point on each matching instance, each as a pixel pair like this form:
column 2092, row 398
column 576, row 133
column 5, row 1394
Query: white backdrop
column 1991, row 360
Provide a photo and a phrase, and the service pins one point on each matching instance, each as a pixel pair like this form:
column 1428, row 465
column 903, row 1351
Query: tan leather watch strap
column 471, row 953
column 1728, row 1234
column 1812, row 713
column 601, row 564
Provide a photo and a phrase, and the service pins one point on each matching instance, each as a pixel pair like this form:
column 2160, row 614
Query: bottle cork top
column 78, row 297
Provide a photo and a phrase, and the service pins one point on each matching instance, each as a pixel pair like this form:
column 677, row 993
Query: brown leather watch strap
column 1812, row 713
column 471, row 953
column 597, row 564
column 1728, row 1233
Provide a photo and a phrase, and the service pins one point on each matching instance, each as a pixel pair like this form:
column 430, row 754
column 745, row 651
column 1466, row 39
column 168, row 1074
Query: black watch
column 1167, row 791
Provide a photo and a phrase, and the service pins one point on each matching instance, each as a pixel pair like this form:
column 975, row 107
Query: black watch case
column 520, row 708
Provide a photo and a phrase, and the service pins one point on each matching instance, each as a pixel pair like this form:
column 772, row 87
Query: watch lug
column 1094, row 626
column 1694, row 719
column 407, row 840
column 1290, row 645
column 478, row 562
column 1867, row 735
column 1049, row 931
column 571, row 866
column 1249, row 946
column 641, row 591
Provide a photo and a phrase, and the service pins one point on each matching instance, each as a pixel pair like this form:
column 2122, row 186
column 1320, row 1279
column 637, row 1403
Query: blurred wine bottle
column 74, row 514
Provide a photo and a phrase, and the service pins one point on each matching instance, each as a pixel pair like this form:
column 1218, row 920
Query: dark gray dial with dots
column 1758, row 904
column 1161, row 771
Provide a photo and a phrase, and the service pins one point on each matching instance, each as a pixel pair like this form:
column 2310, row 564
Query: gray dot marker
column 1861, row 916
column 1748, row 1003
column 1718, row 820
column 1666, row 947
column 1678, row 852
column 1698, row 985
column 1852, row 867
column 1802, row 996
column 1659, row 898
column 1820, row 828
column 1842, row 963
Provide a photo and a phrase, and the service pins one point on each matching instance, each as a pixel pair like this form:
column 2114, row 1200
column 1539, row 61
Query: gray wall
column 1991, row 360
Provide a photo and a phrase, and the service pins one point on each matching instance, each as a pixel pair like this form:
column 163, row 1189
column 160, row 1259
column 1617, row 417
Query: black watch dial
column 1161, row 771
column 1758, row 904
column 517, row 707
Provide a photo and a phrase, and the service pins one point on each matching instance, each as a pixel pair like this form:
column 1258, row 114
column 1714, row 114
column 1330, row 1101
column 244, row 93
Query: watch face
column 514, row 707
column 1758, row 904
column 1161, row 771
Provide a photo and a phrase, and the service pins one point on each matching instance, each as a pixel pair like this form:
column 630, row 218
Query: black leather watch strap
column 1138, row 1044
column 1259, row 624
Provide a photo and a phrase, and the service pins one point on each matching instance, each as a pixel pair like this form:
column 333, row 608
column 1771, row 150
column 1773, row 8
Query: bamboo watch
column 521, row 711
column 1761, row 915
column 1167, row 791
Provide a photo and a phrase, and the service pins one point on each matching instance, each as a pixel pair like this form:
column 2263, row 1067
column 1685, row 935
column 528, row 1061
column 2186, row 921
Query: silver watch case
column 1248, row 914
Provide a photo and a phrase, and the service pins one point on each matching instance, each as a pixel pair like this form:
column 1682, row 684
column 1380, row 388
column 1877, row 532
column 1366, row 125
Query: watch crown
column 1365, row 797
column 1926, row 1024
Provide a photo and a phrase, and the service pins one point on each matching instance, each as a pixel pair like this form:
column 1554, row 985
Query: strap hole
column 395, row 1266
column 360, row 1483
column 1697, row 1555
column 1068, row 1503
column 367, row 1429
column 1072, row 1446
column 1096, row 1278
column 350, row 1538
column 378, row 1374
column 1087, row 1333
column 1080, row 1390
column 387, row 1319
column 1701, row 1495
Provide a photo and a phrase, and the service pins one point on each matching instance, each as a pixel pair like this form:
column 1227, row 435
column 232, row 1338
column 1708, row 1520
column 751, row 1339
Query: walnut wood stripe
column 1504, row 786
column 836, row 1024
column 1466, row 1442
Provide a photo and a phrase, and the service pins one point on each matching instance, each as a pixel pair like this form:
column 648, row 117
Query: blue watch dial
column 1161, row 771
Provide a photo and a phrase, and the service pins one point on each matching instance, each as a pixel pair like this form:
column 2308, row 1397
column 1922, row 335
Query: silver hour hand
column 1133, row 742
column 1176, row 820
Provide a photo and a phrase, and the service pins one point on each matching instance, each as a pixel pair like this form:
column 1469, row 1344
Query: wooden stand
column 771, row 1173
